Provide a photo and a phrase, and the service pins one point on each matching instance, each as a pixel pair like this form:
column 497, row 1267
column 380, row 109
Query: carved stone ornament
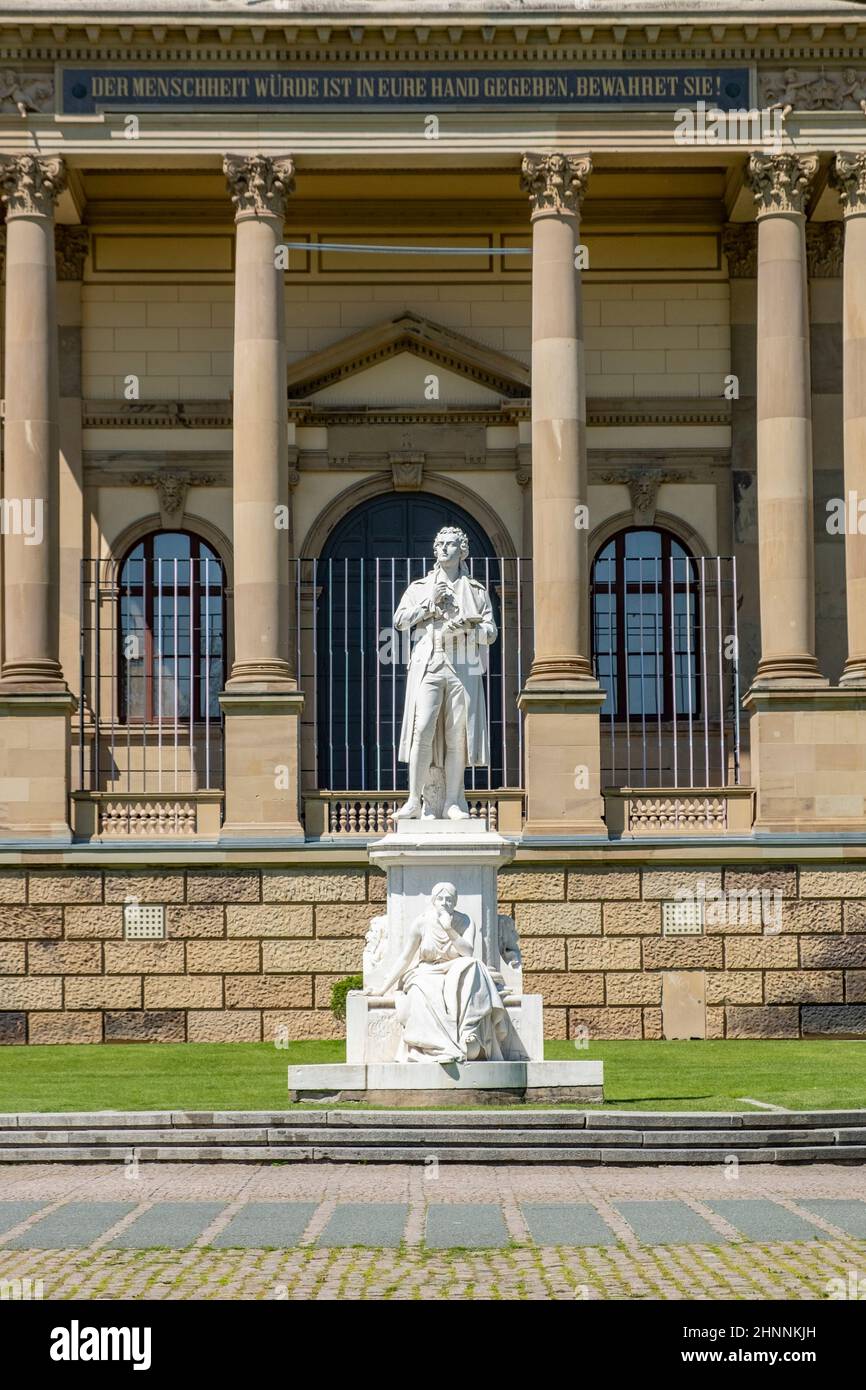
column 825, row 247
column 407, row 472
column 812, row 91
column 848, row 175
column 171, row 490
column 643, row 489
column 740, row 245
column 71, row 245
column 781, row 182
column 26, row 91
column 259, row 186
column 555, row 182
column 30, row 186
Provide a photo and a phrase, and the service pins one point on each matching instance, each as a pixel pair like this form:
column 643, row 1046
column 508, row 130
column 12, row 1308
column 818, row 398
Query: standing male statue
column 450, row 618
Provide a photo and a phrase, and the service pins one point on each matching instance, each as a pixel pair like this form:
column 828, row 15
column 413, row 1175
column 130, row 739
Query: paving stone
column 575, row 1223
column 470, row 1225
column 668, row 1223
column 173, row 1225
column 71, row 1227
column 377, row 1224
column 848, row 1215
column 13, row 1212
column 759, row 1219
column 266, row 1225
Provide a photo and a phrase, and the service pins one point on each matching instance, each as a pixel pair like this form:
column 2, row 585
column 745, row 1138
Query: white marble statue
column 450, row 618
column 449, row 1006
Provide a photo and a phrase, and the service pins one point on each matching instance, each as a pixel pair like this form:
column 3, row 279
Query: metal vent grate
column 142, row 923
column 683, row 918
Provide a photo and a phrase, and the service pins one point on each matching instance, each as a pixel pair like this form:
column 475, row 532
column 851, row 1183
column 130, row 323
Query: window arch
column 645, row 633
column 171, row 629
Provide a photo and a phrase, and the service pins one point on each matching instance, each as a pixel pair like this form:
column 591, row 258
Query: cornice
column 509, row 30
column 172, row 415
column 658, row 411
column 150, row 415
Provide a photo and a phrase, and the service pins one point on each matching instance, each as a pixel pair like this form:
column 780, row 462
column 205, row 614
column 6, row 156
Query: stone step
column 511, row 1118
column 505, row 1136
column 424, row 1137
column 391, row 1153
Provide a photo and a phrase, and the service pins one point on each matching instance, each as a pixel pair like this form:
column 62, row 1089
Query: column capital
column 848, row 175
column 259, row 185
column 30, row 186
column 71, row 245
column 781, row 183
column 740, row 245
column 825, row 247
column 555, row 183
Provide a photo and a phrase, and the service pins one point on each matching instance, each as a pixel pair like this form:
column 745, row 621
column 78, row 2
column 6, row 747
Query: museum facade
column 289, row 288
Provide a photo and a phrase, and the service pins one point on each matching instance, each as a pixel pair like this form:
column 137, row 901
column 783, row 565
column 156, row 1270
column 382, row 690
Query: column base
column 808, row 752
column 261, row 762
column 34, row 763
column 563, row 760
column 854, row 673
column 787, row 672
column 257, row 675
column 561, row 672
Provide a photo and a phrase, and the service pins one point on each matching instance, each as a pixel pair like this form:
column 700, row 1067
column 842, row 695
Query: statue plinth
column 385, row 1023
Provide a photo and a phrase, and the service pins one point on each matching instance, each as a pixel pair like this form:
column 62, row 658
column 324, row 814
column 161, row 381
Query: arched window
column 171, row 640
column 645, row 630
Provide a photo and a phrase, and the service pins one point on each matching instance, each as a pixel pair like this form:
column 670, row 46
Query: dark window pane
column 648, row 665
column 162, row 657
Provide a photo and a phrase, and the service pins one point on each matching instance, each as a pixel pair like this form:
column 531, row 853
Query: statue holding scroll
column 450, row 618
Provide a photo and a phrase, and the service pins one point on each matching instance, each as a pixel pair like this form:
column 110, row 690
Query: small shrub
column 339, row 992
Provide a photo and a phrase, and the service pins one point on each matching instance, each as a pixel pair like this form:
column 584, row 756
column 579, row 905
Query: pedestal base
column 261, row 764
column 410, row 1085
column 563, row 762
column 34, row 765
column 808, row 749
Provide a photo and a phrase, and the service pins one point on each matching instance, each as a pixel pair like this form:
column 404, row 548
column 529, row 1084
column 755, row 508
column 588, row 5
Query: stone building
column 287, row 287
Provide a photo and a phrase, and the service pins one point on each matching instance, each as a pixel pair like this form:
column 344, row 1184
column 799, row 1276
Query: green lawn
column 252, row 1076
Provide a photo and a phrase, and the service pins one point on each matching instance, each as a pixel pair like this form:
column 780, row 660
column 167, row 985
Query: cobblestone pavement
column 412, row 1232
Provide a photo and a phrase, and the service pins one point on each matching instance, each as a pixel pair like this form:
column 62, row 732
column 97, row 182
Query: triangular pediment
column 390, row 362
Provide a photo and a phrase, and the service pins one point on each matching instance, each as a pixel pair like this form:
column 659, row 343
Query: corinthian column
column 35, row 703
column 849, row 176
column 561, row 701
column 29, row 187
column 261, row 703
column 781, row 184
column 259, row 189
column 556, row 184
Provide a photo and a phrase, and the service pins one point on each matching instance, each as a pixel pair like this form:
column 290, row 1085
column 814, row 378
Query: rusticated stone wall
column 249, row 951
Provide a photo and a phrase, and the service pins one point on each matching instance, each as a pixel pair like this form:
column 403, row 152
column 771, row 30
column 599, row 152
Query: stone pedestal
column 34, row 765
column 808, row 758
column 261, row 761
column 416, row 857
column 562, row 734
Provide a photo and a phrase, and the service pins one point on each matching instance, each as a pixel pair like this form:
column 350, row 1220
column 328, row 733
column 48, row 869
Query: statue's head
column 444, row 895
column 449, row 542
